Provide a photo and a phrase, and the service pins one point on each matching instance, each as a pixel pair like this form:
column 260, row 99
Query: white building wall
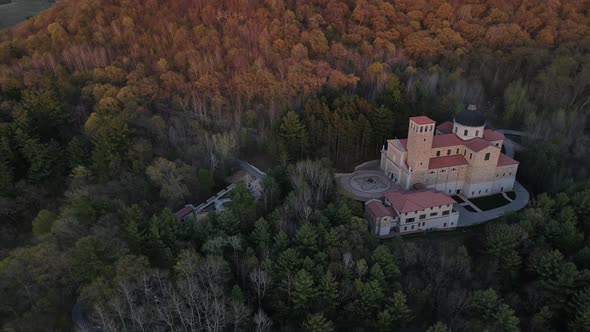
column 472, row 132
column 385, row 225
column 447, row 180
column 438, row 210
column 441, row 222
column 497, row 144
column 449, row 188
column 504, row 184
column 392, row 163
column 478, row 189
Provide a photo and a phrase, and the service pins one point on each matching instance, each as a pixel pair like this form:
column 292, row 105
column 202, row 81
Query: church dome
column 471, row 117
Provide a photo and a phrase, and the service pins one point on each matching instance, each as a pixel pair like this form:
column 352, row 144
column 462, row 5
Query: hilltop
column 114, row 113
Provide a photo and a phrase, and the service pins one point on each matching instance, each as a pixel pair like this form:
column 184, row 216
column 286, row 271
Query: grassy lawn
column 511, row 194
column 489, row 202
column 458, row 199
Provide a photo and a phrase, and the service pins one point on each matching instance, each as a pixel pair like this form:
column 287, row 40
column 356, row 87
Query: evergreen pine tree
column 579, row 308
column 280, row 242
column 400, row 308
column 438, row 327
column 229, row 222
column 77, row 153
column 317, row 323
column 558, row 277
column 386, row 261
column 328, row 292
column 261, row 235
column 370, row 299
column 307, row 239
column 135, row 229
column 490, row 311
column 304, row 292
column 243, row 206
column 293, row 135
column 376, row 274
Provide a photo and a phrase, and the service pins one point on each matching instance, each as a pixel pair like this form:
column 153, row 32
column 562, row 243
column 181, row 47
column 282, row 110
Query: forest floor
column 12, row 13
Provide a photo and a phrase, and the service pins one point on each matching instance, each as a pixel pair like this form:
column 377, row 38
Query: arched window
column 487, row 156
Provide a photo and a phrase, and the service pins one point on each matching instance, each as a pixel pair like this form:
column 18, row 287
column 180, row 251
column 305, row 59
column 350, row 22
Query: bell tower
column 420, row 134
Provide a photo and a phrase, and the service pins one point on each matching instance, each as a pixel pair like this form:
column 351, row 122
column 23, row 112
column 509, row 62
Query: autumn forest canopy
column 114, row 114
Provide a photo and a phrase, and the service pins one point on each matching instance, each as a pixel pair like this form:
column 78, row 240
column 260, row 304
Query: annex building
column 412, row 211
column 459, row 157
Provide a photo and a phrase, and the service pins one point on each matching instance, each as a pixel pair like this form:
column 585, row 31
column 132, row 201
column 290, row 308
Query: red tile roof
column 504, row 160
column 445, row 127
column 422, row 120
column 418, row 200
column 439, row 141
column 380, row 210
column 477, row 144
column 446, row 161
column 183, row 212
column 492, row 135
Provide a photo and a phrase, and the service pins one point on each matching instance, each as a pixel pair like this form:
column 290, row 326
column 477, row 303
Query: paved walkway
column 467, row 218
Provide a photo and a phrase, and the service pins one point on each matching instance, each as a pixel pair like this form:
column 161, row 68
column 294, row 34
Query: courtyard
column 366, row 184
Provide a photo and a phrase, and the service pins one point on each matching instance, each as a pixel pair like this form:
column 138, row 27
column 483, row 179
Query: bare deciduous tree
column 262, row 321
column 261, row 281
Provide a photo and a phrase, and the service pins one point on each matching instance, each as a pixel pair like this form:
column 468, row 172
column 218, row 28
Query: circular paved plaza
column 366, row 184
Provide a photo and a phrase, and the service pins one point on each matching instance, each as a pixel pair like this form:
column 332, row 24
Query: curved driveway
column 468, row 218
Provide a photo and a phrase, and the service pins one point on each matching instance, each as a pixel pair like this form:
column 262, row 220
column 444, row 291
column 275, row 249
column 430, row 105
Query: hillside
column 215, row 59
column 114, row 113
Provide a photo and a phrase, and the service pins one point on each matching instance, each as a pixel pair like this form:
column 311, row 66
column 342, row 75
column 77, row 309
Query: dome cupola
column 469, row 123
column 471, row 117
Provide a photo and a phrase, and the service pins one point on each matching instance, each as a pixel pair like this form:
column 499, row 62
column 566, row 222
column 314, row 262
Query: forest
column 115, row 113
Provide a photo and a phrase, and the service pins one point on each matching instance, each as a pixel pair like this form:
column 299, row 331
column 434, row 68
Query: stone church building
column 459, row 157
